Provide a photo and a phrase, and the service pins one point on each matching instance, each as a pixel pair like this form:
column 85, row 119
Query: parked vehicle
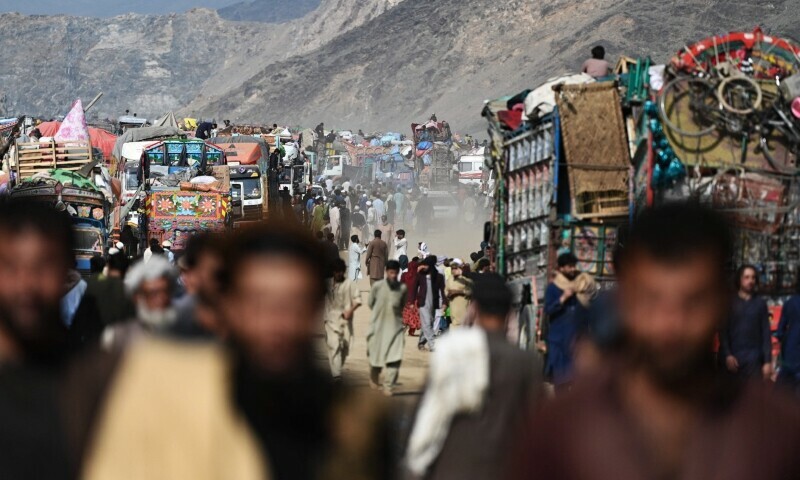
column 248, row 193
column 471, row 169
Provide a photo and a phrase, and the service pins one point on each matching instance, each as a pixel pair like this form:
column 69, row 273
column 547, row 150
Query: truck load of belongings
column 723, row 127
column 100, row 139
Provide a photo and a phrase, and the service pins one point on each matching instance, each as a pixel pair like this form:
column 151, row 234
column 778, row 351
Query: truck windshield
column 88, row 240
column 131, row 179
column 252, row 188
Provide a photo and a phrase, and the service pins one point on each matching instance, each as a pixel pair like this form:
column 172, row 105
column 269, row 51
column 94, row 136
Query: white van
column 470, row 169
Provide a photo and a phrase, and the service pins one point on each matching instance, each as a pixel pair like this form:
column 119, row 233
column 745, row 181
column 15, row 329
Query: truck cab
column 247, row 192
column 334, row 166
column 293, row 175
column 470, row 169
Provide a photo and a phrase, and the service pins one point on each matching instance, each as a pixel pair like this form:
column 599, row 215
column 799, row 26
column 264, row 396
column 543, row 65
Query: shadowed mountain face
column 449, row 56
column 108, row 8
column 269, row 11
column 376, row 64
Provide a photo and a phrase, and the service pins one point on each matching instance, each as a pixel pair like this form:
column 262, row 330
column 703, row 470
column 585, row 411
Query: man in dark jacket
column 429, row 297
column 204, row 130
column 745, row 341
column 478, row 444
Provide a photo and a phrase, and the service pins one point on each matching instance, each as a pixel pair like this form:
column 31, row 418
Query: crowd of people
column 204, row 365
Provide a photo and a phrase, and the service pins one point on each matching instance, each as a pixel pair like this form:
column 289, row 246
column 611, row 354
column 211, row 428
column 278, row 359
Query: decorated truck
column 65, row 175
column 577, row 158
column 433, row 154
column 187, row 189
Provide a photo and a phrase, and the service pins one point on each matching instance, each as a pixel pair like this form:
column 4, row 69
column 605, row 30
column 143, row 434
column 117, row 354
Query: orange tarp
column 100, row 138
column 241, row 153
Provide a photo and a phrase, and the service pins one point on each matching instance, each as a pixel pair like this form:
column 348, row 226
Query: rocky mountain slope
column 108, row 8
column 152, row 64
column 375, row 64
column 448, row 56
column 269, row 11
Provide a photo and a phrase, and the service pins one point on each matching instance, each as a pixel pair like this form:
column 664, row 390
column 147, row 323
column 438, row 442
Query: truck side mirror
column 487, row 231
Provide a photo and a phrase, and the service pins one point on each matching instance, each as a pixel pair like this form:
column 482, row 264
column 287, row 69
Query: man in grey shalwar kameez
column 386, row 339
column 343, row 300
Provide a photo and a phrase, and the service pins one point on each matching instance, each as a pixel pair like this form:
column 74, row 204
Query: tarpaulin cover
column 595, row 145
column 260, row 143
column 168, row 120
column 73, row 128
column 142, row 134
column 542, row 100
column 100, row 138
column 241, row 153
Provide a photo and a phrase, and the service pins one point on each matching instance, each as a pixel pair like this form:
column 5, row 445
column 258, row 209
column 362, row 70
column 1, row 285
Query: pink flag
column 73, row 128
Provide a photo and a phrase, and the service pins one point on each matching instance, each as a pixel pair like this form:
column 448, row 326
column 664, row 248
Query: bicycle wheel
column 740, row 95
column 687, row 106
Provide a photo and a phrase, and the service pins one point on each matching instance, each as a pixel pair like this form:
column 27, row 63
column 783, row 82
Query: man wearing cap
column 151, row 287
column 400, row 244
column 479, row 391
column 458, row 289
column 386, row 339
column 372, row 219
column 429, row 297
column 343, row 300
column 376, row 258
column 566, row 301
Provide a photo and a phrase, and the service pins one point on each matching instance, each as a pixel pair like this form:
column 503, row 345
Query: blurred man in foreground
column 480, row 391
column 661, row 410
column 200, row 265
column 261, row 408
column 34, row 263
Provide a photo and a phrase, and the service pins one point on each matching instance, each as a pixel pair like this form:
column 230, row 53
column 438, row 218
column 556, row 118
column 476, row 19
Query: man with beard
column 745, row 340
column 386, row 340
column 260, row 409
column 34, row 262
column 199, row 265
column 150, row 287
column 661, row 411
column 565, row 302
column 343, row 300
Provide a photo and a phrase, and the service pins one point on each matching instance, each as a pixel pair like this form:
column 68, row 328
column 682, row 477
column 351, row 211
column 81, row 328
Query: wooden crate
column 33, row 158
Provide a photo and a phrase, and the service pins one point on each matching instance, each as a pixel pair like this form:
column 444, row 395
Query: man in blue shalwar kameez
column 566, row 306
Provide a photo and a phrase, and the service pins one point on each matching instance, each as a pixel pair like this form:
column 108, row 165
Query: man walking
column 400, row 244
column 745, row 341
column 386, row 339
column 342, row 302
column 566, row 303
column 354, row 260
column 479, row 388
column 429, row 297
column 377, row 256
